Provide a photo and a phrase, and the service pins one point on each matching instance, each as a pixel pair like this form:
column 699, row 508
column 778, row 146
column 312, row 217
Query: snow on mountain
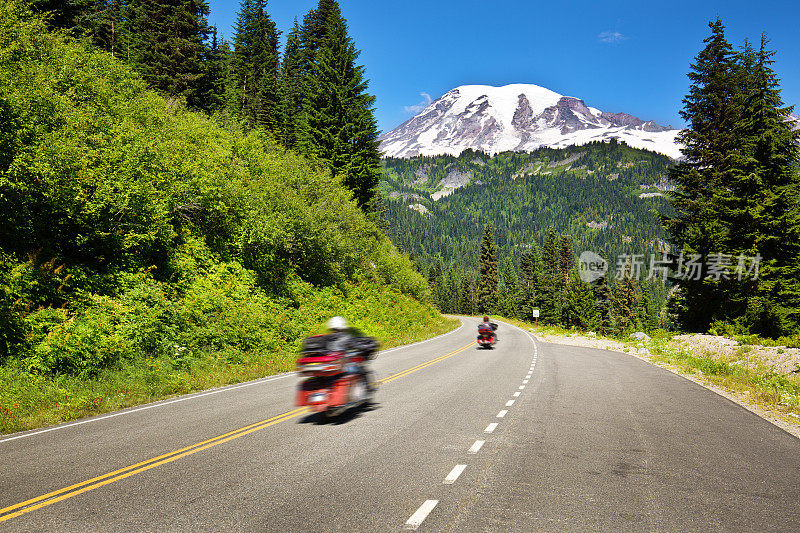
column 517, row 117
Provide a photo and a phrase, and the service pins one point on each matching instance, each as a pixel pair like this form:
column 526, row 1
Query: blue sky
column 616, row 55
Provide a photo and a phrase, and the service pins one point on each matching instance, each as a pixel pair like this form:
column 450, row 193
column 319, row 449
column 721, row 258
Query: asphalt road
column 526, row 437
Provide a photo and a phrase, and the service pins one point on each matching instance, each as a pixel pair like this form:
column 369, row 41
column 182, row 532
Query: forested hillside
column 607, row 196
column 147, row 249
column 727, row 214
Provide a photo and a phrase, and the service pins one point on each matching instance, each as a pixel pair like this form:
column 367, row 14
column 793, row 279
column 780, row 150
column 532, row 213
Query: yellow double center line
column 50, row 498
column 423, row 365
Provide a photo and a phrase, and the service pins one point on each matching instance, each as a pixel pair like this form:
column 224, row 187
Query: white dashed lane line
column 425, row 509
column 476, row 447
column 422, row 513
column 453, row 475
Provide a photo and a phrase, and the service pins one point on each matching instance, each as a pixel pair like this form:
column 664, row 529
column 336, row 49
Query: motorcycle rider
column 486, row 323
column 344, row 338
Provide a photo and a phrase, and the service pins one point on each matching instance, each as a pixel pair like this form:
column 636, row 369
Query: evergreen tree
column 290, row 88
column 550, row 310
column 62, row 14
column 436, row 281
column 648, row 313
column 487, row 286
column 101, row 21
column 509, row 290
column 738, row 191
column 566, row 261
column 211, row 87
column 467, row 305
column 580, row 309
column 337, row 125
column 627, row 297
column 253, row 91
column 604, row 306
column 703, row 177
column 451, row 291
column 766, row 207
column 316, row 24
column 435, row 271
column 166, row 42
column 530, row 272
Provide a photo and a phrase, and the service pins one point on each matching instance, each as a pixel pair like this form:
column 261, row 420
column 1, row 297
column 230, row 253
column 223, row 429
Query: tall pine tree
column 337, row 125
column 566, row 262
column 766, row 212
column 290, row 89
column 487, row 285
column 603, row 305
column 252, row 91
column 530, row 273
column 314, row 31
column 550, row 310
column 508, row 294
column 166, row 42
column 580, row 308
column 703, row 177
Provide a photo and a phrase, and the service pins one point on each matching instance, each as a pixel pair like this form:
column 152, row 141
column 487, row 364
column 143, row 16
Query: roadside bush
column 82, row 345
column 225, row 309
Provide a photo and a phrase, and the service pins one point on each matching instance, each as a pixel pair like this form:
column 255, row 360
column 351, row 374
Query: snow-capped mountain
column 517, row 117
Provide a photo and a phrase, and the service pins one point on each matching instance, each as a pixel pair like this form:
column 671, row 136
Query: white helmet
column 337, row 323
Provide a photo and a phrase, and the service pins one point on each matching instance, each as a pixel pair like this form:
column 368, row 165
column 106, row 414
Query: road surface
column 526, row 437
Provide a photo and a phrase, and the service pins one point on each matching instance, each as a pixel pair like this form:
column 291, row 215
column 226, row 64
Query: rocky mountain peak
column 517, row 117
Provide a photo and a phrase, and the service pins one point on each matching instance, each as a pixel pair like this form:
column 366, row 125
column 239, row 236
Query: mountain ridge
column 521, row 118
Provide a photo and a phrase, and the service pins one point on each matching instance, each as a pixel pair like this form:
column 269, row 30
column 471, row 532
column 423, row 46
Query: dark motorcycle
column 486, row 336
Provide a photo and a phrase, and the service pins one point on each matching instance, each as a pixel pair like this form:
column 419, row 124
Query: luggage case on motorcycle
column 317, row 343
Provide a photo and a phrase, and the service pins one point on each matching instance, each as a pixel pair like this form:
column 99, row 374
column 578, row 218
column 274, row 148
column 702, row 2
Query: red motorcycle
column 335, row 380
column 486, row 337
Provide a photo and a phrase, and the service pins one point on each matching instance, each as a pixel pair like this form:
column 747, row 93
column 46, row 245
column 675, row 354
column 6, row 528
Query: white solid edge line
column 491, row 427
column 149, row 406
column 193, row 396
column 421, row 514
column 502, row 413
column 516, row 393
column 476, row 447
column 453, row 475
column 509, row 403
